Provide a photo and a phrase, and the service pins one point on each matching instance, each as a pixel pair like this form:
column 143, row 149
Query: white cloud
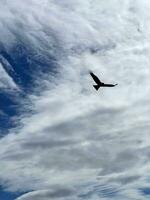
column 76, row 135
column 6, row 82
column 49, row 194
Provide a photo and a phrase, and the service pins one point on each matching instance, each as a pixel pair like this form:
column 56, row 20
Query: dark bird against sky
column 99, row 83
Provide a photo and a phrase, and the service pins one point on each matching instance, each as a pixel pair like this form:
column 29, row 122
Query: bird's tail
column 96, row 86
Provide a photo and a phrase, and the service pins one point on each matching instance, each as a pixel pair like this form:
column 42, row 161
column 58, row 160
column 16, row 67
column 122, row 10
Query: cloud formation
column 49, row 194
column 71, row 142
column 6, row 81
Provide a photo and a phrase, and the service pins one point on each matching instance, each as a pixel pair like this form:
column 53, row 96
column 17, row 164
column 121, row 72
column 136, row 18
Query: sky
column 59, row 138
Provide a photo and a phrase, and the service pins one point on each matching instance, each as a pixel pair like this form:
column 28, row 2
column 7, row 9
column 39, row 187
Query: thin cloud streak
column 6, row 81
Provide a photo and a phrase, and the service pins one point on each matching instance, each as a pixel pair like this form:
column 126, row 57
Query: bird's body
column 99, row 83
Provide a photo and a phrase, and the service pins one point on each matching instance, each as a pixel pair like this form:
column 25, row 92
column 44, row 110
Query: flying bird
column 99, row 83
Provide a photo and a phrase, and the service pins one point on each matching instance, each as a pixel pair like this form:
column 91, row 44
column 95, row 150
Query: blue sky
column 8, row 195
column 9, row 102
column 60, row 139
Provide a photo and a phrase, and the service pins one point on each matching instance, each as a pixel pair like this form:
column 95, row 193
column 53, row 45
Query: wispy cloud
column 71, row 142
column 6, row 81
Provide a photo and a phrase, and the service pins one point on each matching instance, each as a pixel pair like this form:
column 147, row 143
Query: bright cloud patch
column 6, row 82
column 73, row 142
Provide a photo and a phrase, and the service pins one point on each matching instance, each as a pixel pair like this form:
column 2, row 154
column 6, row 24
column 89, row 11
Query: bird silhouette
column 99, row 83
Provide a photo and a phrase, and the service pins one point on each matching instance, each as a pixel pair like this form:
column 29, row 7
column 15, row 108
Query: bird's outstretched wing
column 109, row 85
column 95, row 78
